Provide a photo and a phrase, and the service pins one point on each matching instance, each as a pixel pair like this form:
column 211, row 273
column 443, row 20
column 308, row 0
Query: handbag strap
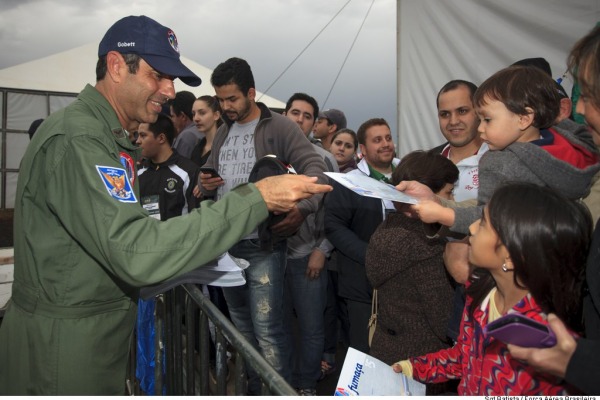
column 374, row 303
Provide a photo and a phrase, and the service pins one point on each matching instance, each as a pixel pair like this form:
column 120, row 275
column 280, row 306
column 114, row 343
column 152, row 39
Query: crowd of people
column 504, row 224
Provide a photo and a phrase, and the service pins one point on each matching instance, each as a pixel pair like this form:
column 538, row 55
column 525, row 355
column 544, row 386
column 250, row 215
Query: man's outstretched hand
column 283, row 192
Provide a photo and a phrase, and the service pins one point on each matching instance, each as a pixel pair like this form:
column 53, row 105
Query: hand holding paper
column 364, row 375
column 366, row 186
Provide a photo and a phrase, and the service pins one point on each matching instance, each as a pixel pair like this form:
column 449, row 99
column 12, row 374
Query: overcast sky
column 269, row 34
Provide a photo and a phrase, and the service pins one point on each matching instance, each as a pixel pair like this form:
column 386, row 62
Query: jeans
column 308, row 298
column 256, row 308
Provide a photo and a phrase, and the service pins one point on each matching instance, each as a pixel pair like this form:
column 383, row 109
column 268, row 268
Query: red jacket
column 484, row 364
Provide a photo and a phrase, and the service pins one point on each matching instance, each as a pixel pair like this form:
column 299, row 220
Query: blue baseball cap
column 155, row 43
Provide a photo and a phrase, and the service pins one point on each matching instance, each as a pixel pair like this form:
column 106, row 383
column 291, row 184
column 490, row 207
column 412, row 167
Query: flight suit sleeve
column 115, row 230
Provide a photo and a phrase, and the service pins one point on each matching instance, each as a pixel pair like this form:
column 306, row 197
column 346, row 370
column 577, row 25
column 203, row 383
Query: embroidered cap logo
column 173, row 40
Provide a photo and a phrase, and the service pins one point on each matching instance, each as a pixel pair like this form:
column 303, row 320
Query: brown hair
column 430, row 168
column 214, row 105
column 519, row 87
column 361, row 134
column 347, row 131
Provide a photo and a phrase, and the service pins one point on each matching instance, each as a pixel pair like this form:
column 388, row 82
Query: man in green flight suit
column 84, row 245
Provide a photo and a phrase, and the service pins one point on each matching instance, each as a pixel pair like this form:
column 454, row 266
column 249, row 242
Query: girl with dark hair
column 530, row 248
column 414, row 290
column 343, row 147
column 578, row 362
column 207, row 117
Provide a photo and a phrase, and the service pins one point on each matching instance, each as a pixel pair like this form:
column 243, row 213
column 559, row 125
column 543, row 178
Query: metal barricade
column 186, row 350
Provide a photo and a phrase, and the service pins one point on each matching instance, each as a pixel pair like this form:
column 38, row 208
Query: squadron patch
column 116, row 182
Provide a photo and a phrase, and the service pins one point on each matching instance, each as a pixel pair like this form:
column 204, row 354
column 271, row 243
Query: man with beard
column 250, row 132
column 458, row 123
column 351, row 219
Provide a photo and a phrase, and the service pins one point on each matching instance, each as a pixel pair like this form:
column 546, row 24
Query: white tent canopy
column 471, row 39
column 71, row 70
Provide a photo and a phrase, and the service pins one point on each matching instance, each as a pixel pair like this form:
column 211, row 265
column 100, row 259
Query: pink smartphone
column 521, row 330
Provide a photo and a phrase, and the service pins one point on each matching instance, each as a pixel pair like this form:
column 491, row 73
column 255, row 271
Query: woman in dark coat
column 414, row 290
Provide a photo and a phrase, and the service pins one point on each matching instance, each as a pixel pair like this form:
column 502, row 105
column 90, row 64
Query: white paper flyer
column 363, row 375
column 366, row 186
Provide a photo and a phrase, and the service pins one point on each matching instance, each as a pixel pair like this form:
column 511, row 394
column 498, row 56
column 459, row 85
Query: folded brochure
column 364, row 375
column 367, row 186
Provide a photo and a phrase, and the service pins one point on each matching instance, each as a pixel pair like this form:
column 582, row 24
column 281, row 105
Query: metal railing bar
column 159, row 349
column 177, row 344
column 271, row 379
column 204, row 353
column 189, row 346
column 169, row 345
column 221, row 362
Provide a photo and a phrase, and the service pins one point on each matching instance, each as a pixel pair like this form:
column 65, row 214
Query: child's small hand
column 397, row 367
column 430, row 211
column 416, row 189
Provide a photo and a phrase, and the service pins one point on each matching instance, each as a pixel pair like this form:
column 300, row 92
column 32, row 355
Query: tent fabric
column 471, row 39
column 71, row 70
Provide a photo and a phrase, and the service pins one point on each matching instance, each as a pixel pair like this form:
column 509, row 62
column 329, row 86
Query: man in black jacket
column 351, row 219
column 167, row 179
column 166, row 183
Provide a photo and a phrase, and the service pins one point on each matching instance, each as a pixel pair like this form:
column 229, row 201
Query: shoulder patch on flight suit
column 116, row 183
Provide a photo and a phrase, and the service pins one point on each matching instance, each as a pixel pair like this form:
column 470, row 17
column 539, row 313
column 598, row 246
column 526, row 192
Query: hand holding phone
column 213, row 172
column 209, row 183
column 521, row 330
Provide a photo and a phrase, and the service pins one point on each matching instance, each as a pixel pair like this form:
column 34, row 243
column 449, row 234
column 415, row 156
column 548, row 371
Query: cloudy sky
column 269, row 34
